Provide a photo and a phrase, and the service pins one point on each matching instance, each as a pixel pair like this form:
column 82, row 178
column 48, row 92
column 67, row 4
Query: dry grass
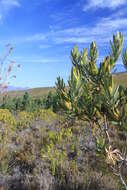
column 121, row 78
column 34, row 92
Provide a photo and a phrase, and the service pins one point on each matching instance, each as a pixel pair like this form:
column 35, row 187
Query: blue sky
column 44, row 31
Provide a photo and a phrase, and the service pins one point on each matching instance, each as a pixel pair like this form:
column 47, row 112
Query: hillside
column 34, row 92
column 120, row 78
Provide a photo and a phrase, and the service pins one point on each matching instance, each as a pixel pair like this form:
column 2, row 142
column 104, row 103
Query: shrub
column 92, row 96
column 7, row 117
column 7, row 129
column 24, row 119
column 47, row 115
column 51, row 101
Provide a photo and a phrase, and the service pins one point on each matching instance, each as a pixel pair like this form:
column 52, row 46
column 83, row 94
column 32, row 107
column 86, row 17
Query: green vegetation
column 34, row 92
column 93, row 96
column 30, row 104
column 35, row 144
column 73, row 138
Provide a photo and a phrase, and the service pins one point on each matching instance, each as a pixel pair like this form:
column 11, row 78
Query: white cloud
column 45, row 46
column 72, row 40
column 33, row 38
column 0, row 17
column 36, row 37
column 101, row 32
column 111, row 4
column 38, row 60
column 6, row 6
column 10, row 3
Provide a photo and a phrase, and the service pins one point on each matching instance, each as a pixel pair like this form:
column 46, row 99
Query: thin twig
column 120, row 176
column 106, row 129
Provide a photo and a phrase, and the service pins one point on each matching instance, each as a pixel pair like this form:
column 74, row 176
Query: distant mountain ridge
column 119, row 70
column 16, row 88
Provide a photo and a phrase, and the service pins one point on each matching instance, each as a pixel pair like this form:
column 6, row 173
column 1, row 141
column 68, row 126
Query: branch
column 120, row 176
column 117, row 172
column 106, row 129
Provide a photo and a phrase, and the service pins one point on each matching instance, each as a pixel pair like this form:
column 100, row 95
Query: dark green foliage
column 25, row 103
column 18, row 103
column 51, row 101
column 8, row 103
